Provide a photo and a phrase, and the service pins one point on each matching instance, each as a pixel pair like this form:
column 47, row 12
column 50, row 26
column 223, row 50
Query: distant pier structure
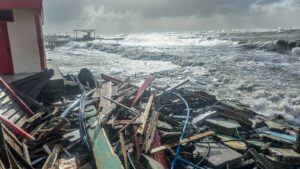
column 56, row 40
column 88, row 34
column 53, row 41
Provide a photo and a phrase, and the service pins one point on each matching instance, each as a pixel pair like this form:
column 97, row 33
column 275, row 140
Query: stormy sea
column 258, row 68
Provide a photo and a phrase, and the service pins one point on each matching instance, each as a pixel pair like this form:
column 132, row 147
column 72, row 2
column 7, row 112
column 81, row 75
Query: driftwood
column 186, row 140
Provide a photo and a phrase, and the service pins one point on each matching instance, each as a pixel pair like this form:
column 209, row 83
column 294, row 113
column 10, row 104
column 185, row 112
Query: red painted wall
column 39, row 29
column 6, row 65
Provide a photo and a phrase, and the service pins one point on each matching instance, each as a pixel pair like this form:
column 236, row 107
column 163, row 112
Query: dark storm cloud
column 70, row 9
column 156, row 15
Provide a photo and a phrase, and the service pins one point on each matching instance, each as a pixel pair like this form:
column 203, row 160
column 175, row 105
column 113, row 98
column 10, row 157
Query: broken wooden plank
column 123, row 84
column 106, row 106
column 17, row 116
column 141, row 90
column 16, row 129
column 2, row 165
column 275, row 126
column 52, row 157
column 5, row 100
column 235, row 114
column 106, row 91
column 199, row 120
column 104, row 155
column 158, row 156
column 6, row 107
column 123, row 147
column 2, row 94
column 237, row 145
column 12, row 140
column 222, row 125
column 278, row 139
column 151, row 131
column 9, row 113
column 21, row 121
column 71, row 163
column 4, row 157
column 115, row 80
column 260, row 159
column 145, row 115
column 15, row 97
column 258, row 145
column 135, row 112
column 285, row 155
column 26, row 153
column 16, row 150
column 183, row 141
column 36, row 117
column 123, row 122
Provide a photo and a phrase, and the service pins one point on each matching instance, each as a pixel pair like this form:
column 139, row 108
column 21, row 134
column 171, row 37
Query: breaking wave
column 272, row 47
column 296, row 51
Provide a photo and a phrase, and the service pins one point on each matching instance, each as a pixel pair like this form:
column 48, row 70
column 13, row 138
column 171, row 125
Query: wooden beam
column 133, row 111
column 103, row 152
column 142, row 89
column 151, row 131
column 106, row 106
column 52, row 157
column 186, row 140
column 123, row 147
column 129, row 123
column 106, row 90
column 145, row 115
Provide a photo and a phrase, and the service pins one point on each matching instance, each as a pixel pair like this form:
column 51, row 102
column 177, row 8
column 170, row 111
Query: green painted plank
column 104, row 156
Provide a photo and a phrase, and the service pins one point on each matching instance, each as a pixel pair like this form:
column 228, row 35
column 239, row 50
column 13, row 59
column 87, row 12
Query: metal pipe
column 82, row 121
column 74, row 105
column 171, row 89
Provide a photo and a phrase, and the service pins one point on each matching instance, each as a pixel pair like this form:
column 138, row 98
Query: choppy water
column 245, row 66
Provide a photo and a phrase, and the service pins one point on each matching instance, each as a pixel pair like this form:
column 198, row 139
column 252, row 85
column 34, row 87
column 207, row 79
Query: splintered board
column 10, row 109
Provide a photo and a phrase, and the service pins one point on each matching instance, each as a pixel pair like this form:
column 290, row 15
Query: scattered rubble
column 114, row 124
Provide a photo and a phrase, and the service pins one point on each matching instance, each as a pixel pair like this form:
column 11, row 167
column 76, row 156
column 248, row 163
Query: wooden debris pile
column 117, row 124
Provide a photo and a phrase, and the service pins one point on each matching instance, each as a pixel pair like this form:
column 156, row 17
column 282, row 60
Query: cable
column 183, row 130
column 130, row 160
column 208, row 151
column 237, row 133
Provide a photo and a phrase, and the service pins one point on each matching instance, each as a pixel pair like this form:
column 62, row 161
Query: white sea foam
column 173, row 40
column 296, row 51
column 216, row 42
column 71, row 61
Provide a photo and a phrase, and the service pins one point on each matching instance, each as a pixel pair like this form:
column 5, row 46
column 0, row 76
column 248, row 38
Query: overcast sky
column 130, row 16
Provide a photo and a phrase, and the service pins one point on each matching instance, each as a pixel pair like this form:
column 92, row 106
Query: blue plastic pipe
column 177, row 156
